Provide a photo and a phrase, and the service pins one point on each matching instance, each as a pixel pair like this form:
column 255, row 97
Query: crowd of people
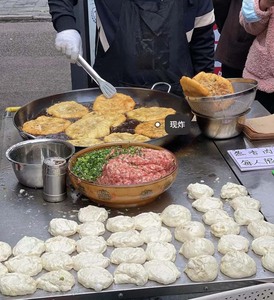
column 141, row 42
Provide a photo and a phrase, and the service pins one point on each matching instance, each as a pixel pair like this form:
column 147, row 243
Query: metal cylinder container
column 54, row 179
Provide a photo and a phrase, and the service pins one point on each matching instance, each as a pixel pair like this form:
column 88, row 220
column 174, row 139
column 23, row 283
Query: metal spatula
column 106, row 88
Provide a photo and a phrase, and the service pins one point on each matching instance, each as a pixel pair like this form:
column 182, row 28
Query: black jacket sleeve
column 221, row 9
column 62, row 14
column 202, row 49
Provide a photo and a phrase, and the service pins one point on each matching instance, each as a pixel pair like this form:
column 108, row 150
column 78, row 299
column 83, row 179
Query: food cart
column 23, row 212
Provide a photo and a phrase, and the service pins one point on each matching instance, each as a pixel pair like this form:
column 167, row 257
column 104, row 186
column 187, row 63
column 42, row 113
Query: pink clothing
column 260, row 60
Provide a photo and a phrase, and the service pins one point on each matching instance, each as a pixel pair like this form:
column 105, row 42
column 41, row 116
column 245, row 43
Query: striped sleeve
column 200, row 36
column 201, row 15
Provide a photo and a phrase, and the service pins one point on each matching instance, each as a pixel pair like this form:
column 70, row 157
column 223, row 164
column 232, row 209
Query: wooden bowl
column 121, row 196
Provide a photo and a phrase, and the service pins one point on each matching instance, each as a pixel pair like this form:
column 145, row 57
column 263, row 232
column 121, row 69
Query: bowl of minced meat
column 122, row 174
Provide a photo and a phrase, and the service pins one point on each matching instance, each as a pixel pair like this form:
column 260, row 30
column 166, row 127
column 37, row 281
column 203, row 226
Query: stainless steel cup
column 54, row 179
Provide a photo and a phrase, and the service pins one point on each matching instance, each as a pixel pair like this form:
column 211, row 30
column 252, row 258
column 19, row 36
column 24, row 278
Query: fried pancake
column 193, row 88
column 68, row 110
column 119, row 103
column 154, row 113
column 152, row 129
column 115, row 119
column 125, row 137
column 92, row 127
column 85, row 142
column 44, row 125
column 217, row 85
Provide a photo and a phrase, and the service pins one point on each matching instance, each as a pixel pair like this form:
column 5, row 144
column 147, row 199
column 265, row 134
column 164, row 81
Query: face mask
column 248, row 11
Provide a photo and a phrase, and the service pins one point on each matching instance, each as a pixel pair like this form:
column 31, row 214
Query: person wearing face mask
column 139, row 43
column 234, row 41
column 256, row 17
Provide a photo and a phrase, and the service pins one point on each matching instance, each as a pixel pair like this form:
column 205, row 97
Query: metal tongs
column 106, row 88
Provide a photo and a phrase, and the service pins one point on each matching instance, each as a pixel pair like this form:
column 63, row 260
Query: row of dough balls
column 235, row 263
column 90, row 217
column 29, row 258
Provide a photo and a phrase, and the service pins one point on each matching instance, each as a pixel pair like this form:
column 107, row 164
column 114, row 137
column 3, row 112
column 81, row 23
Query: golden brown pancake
column 68, row 110
column 114, row 119
column 125, row 137
column 85, row 142
column 217, row 85
column 193, row 88
column 205, row 85
column 152, row 129
column 119, row 103
column 44, row 125
column 92, row 127
column 150, row 113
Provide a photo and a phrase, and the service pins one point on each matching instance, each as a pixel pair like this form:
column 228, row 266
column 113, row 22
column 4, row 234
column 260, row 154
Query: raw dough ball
column 162, row 271
column 30, row 265
column 245, row 202
column 175, row 214
column 156, row 234
column 63, row 227
column 244, row 216
column 131, row 238
column 128, row 255
column 215, row 215
column 232, row 190
column 160, row 251
column 5, row 251
column 189, row 231
column 17, row 284
column 60, row 244
column 91, row 228
column 263, row 244
column 230, row 242
column 130, row 273
column 84, row 259
column 225, row 227
column 53, row 261
column 96, row 278
column 237, row 264
column 147, row 219
column 202, row 268
column 92, row 213
column 198, row 190
column 90, row 243
column 260, row 228
column 120, row 223
column 29, row 246
column 197, row 247
column 268, row 261
column 56, row 281
column 205, row 204
column 3, row 269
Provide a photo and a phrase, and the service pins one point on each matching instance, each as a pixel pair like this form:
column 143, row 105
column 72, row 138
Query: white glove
column 69, row 42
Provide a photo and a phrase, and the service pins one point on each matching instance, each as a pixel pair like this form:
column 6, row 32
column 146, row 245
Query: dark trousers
column 266, row 99
column 229, row 72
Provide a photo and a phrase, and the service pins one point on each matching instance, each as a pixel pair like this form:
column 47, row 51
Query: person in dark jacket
column 234, row 42
column 142, row 42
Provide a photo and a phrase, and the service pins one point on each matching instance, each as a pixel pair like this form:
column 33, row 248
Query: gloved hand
column 69, row 42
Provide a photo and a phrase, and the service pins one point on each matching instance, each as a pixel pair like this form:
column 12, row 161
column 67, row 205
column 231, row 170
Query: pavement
column 24, row 10
column 31, row 67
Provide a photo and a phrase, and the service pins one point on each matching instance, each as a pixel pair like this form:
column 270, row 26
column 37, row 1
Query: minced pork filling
column 133, row 169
